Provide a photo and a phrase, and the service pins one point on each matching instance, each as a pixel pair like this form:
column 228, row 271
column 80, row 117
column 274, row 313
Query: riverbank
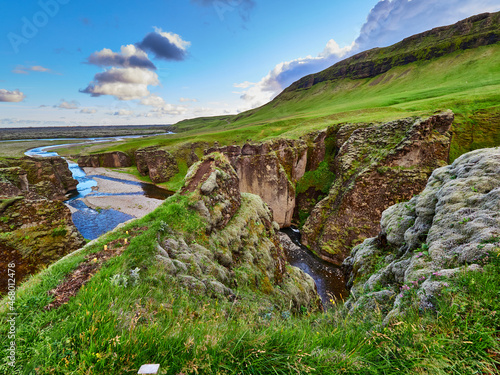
column 129, row 201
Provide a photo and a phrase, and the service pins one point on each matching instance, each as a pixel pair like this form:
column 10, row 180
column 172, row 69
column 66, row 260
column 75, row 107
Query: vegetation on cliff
column 35, row 226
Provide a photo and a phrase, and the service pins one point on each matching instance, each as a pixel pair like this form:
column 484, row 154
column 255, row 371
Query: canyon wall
column 376, row 165
column 270, row 170
column 115, row 159
column 157, row 163
column 36, row 226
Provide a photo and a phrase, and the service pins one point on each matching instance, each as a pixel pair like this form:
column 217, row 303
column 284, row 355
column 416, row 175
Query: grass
column 17, row 149
column 110, row 327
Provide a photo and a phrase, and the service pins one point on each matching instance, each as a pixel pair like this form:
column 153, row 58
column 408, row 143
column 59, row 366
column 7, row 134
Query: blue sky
column 74, row 62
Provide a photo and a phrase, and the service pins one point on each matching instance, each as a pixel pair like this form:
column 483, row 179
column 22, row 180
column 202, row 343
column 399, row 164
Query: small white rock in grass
column 149, row 369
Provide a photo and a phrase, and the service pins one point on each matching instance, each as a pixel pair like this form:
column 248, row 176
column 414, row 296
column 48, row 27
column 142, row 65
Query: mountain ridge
column 479, row 30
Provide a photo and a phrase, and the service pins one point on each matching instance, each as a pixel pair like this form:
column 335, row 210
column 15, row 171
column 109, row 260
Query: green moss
column 320, row 179
column 5, row 203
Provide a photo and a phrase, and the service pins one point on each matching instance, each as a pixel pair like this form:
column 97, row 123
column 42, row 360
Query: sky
column 75, row 62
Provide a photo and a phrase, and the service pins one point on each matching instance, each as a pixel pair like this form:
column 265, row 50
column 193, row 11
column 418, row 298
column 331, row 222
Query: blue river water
column 93, row 223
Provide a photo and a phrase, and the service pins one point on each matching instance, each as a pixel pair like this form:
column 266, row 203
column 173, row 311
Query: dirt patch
column 404, row 73
column 377, row 81
column 88, row 268
column 201, row 174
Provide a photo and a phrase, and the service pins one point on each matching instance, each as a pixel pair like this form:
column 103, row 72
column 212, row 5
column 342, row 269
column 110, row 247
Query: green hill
column 454, row 67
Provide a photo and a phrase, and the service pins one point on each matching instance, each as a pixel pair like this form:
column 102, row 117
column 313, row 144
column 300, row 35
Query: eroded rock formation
column 115, row 159
column 243, row 248
column 159, row 164
column 36, row 226
column 47, row 177
column 452, row 226
column 375, row 167
column 270, row 170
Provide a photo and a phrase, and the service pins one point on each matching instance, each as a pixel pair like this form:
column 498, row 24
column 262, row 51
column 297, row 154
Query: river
column 92, row 223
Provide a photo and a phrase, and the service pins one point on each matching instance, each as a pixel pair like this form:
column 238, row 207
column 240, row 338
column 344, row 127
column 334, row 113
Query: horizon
column 65, row 65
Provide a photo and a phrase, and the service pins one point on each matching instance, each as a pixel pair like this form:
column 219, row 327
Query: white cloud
column 129, row 57
column 165, row 45
column 11, row 96
column 184, row 100
column 244, row 85
column 161, row 108
column 39, row 68
column 392, row 20
column 123, row 83
column 153, row 100
column 123, row 112
column 68, row 105
column 21, row 69
column 285, row 73
column 175, row 39
column 387, row 23
column 88, row 110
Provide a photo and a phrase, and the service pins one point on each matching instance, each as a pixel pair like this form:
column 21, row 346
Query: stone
column 149, row 369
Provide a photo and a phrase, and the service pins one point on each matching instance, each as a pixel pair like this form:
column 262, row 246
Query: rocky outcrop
column 36, row 226
column 159, row 164
column 270, row 170
column 242, row 249
column 376, row 165
column 454, row 225
column 115, row 159
column 38, row 177
column 215, row 185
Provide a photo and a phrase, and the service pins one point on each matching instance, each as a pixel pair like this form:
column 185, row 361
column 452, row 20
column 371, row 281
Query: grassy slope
column 468, row 82
column 110, row 328
column 17, row 149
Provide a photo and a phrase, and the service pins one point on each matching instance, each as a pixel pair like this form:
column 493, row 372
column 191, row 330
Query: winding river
column 92, row 223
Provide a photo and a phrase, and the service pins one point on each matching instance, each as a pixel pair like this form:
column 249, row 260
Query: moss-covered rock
column 453, row 226
column 159, row 164
column 241, row 250
column 34, row 234
column 52, row 175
